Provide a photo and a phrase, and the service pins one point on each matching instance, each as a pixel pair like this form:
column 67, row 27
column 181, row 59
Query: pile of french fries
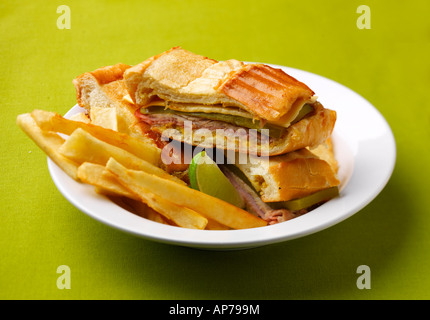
column 128, row 170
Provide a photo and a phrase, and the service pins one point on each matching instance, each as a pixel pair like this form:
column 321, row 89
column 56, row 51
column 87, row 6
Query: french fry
column 119, row 201
column 183, row 196
column 139, row 208
column 82, row 117
column 103, row 158
column 214, row 225
column 153, row 215
column 142, row 148
column 104, row 117
column 180, row 215
column 143, row 210
column 105, row 181
column 83, row 147
column 49, row 142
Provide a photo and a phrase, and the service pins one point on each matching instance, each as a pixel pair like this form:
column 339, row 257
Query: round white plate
column 364, row 147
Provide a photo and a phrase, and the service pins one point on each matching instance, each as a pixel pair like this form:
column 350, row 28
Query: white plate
column 364, row 147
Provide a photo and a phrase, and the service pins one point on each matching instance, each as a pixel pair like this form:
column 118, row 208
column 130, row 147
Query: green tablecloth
column 387, row 64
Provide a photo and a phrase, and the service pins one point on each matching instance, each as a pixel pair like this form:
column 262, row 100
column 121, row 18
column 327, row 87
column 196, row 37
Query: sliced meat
column 177, row 121
column 253, row 202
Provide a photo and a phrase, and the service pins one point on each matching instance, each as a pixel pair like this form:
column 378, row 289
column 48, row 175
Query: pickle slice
column 274, row 131
column 304, row 111
column 310, row 200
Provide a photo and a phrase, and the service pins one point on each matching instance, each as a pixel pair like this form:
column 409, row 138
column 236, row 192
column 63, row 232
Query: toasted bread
column 105, row 88
column 290, row 176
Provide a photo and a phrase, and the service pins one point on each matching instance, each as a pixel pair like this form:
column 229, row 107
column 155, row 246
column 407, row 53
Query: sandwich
column 156, row 99
column 248, row 108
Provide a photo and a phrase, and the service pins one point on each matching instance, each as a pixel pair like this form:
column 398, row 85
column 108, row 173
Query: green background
column 387, row 64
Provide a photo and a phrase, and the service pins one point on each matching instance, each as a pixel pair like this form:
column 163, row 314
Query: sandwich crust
column 309, row 132
column 289, row 176
column 164, row 74
column 297, row 175
column 92, row 87
column 268, row 92
column 105, row 88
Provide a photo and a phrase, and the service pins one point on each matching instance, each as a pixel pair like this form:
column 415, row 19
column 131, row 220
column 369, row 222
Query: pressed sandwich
column 177, row 86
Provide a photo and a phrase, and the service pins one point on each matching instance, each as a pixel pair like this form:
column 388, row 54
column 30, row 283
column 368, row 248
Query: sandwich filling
column 158, row 116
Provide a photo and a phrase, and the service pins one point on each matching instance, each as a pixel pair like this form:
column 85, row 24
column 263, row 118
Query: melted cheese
column 285, row 120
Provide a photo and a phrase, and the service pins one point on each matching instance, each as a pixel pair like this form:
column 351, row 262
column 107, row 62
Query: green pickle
column 305, row 110
column 310, row 200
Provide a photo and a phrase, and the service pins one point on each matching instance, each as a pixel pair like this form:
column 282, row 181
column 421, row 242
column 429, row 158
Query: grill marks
column 265, row 90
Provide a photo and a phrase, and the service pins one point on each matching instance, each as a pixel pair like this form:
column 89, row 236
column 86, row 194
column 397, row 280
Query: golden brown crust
column 325, row 151
column 110, row 73
column 105, row 87
column 164, row 73
column 298, row 174
column 89, row 81
column 267, row 92
column 77, row 82
column 309, row 132
column 288, row 176
column 133, row 76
